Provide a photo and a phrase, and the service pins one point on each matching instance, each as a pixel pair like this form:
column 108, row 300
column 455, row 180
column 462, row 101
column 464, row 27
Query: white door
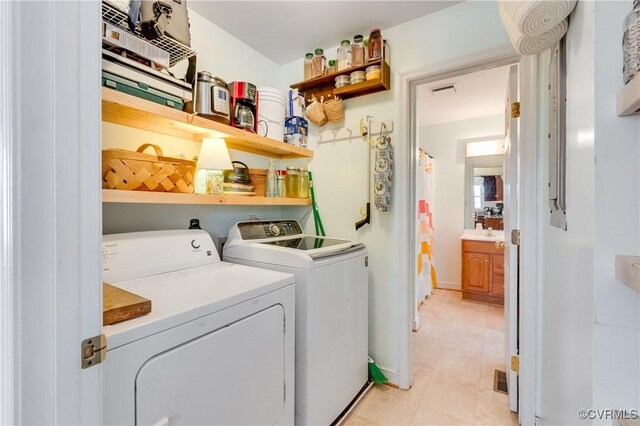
column 510, row 250
column 54, row 88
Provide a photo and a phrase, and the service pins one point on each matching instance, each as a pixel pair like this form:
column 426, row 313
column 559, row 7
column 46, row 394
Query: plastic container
column 373, row 72
column 374, row 46
column 344, row 55
column 358, row 77
column 308, row 59
column 357, row 51
column 342, row 81
column 631, row 43
column 272, row 112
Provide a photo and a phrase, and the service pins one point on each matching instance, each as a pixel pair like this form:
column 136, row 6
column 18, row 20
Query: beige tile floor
column 455, row 353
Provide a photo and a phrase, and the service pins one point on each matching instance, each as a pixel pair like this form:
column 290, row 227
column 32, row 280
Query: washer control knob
column 275, row 230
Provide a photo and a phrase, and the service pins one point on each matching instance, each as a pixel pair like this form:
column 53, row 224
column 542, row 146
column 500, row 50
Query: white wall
column 446, row 142
column 340, row 168
column 617, row 221
column 231, row 59
column 589, row 349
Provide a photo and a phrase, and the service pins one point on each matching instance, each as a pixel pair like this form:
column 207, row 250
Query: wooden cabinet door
column 475, row 272
column 497, row 275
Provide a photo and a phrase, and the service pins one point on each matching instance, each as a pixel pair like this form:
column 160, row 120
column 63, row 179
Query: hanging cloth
column 383, row 173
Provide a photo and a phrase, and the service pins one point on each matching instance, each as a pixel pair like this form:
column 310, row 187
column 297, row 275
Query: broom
column 314, row 206
column 376, row 374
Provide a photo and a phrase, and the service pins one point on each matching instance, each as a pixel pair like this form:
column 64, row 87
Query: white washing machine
column 331, row 310
column 217, row 347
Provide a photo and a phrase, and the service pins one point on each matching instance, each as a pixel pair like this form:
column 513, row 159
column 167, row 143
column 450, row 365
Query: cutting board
column 120, row 305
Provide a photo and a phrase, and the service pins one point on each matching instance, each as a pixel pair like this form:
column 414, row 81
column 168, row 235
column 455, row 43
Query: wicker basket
column 122, row 169
column 334, row 109
column 315, row 113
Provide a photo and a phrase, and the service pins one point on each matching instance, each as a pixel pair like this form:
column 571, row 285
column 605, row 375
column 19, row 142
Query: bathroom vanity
column 483, row 266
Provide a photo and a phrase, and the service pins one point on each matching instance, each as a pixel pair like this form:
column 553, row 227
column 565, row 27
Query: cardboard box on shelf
column 119, row 37
column 296, row 125
column 295, row 104
column 296, row 139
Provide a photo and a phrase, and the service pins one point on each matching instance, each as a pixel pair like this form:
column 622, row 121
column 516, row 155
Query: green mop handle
column 314, row 207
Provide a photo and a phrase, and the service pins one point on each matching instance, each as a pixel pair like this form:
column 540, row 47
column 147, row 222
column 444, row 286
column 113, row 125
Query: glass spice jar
column 281, row 188
column 374, row 48
column 357, row 51
column 344, row 55
column 308, row 59
column 318, row 63
column 292, row 182
column 333, row 68
column 304, row 183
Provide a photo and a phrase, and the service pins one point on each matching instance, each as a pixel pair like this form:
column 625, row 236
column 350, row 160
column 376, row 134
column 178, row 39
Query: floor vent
column 500, row 382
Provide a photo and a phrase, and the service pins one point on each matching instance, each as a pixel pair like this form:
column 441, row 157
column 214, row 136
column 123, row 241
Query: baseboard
column 449, row 286
column 393, row 376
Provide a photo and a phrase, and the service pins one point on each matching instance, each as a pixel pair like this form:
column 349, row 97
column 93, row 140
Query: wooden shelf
column 146, row 197
column 325, row 85
column 126, row 110
column 629, row 98
column 303, row 86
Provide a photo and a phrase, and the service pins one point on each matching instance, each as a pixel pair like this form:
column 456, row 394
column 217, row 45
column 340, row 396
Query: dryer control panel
column 269, row 229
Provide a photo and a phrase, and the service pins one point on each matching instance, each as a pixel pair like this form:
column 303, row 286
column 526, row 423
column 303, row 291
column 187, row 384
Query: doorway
column 526, row 88
column 458, row 354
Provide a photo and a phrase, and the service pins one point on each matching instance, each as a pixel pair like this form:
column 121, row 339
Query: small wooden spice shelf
column 325, row 85
column 629, row 98
column 147, row 197
column 126, row 110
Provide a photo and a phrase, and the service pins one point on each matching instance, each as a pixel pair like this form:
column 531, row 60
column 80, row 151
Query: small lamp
column 214, row 157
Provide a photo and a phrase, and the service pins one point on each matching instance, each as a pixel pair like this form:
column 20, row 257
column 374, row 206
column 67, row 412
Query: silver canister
column 212, row 97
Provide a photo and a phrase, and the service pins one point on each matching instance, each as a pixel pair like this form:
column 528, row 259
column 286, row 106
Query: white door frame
column 7, row 390
column 50, row 211
column 406, row 154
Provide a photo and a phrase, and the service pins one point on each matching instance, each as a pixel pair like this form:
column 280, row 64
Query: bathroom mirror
column 484, row 190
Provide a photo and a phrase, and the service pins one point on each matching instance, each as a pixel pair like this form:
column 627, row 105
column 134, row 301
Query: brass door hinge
column 515, row 110
column 515, row 237
column 515, row 363
column 94, row 350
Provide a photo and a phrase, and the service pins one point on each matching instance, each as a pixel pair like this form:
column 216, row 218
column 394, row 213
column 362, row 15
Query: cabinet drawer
column 481, row 246
column 497, row 285
column 497, row 264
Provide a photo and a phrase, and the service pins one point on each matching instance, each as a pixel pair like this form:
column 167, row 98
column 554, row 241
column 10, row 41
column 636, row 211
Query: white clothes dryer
column 217, row 347
column 331, row 310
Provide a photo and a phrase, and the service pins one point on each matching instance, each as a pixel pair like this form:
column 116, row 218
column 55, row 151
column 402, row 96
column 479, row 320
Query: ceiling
column 479, row 94
column 284, row 31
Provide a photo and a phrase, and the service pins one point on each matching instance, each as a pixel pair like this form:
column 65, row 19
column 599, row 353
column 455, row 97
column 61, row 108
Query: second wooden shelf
column 147, row 197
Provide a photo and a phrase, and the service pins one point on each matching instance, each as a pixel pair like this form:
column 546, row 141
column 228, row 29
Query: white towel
column 528, row 44
column 535, row 17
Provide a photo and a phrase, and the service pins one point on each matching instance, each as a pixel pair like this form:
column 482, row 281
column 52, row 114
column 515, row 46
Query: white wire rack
column 177, row 51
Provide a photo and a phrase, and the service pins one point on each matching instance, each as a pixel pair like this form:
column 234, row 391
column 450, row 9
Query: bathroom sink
column 481, row 235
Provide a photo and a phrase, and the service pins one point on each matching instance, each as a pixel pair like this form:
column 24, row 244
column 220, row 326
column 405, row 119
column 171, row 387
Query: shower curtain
column 426, row 279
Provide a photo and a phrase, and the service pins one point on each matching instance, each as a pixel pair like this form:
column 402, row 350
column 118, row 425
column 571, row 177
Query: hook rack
column 366, row 125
